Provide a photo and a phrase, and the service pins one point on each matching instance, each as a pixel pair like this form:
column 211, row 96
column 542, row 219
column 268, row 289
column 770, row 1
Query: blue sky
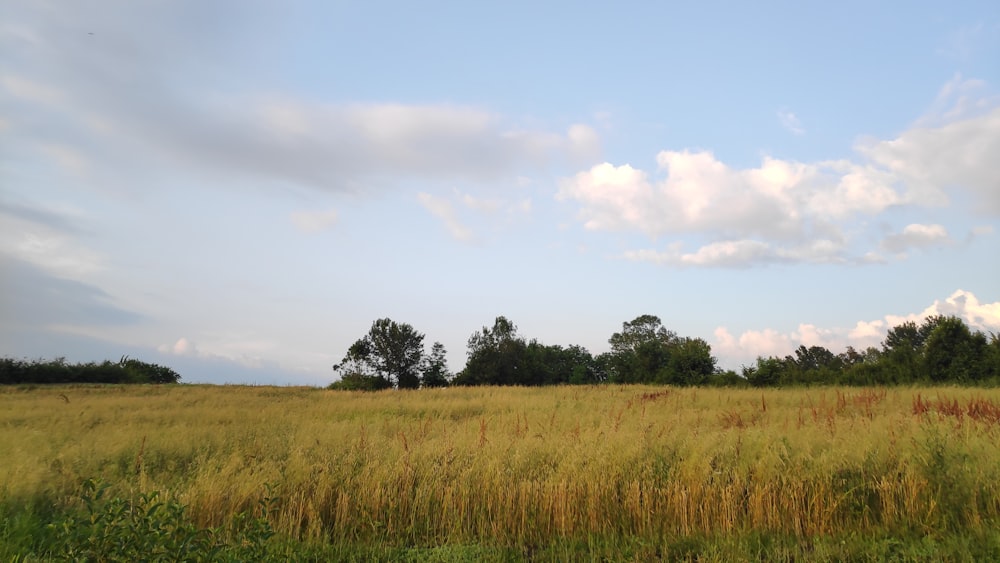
column 238, row 189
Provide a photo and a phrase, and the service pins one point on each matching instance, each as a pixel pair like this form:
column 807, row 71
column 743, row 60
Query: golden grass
column 522, row 465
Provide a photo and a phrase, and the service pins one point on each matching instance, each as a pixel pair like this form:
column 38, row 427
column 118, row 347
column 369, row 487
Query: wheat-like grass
column 522, row 465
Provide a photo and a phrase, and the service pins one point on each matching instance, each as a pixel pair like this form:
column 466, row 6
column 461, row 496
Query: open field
column 631, row 471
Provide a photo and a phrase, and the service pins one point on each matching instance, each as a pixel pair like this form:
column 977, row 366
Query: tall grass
column 525, row 467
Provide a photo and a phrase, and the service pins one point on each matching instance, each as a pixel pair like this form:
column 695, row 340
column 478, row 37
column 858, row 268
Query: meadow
column 550, row 473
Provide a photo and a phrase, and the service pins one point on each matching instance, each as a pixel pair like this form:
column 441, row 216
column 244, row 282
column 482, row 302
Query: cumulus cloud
column 770, row 342
column 781, row 199
column 782, row 211
column 957, row 155
column 961, row 303
column 867, row 330
column 789, row 211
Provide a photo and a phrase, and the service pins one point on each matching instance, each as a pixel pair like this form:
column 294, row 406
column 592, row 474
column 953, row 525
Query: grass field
column 613, row 472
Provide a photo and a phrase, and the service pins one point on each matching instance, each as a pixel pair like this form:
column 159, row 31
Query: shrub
column 148, row 529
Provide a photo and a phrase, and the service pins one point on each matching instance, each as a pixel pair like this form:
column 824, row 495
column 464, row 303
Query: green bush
column 148, row 529
column 126, row 370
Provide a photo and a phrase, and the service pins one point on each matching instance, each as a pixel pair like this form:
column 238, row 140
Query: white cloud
column 241, row 349
column 490, row 209
column 961, row 303
column 770, row 342
column 354, row 147
column 779, row 200
column 121, row 94
column 790, row 122
column 742, row 254
column 48, row 247
column 932, row 160
column 916, row 236
column 811, row 335
column 867, row 330
column 183, row 347
column 585, row 143
column 314, row 221
column 751, row 343
column 443, row 210
column 788, row 211
column 959, row 98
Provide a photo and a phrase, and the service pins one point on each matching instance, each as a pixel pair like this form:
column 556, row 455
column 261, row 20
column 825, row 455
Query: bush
column 127, row 370
column 146, row 529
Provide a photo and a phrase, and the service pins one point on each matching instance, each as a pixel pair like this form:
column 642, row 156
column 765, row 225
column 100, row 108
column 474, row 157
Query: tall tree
column 391, row 352
column 435, row 370
column 496, row 356
column 690, row 363
column 952, row 352
column 641, row 350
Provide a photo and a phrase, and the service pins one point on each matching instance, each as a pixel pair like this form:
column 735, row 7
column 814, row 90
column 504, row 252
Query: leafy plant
column 148, row 529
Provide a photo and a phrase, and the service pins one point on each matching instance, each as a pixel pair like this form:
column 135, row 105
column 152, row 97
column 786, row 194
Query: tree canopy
column 391, row 354
column 939, row 349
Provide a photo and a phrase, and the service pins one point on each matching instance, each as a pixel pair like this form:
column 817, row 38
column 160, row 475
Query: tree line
column 941, row 349
column 126, row 370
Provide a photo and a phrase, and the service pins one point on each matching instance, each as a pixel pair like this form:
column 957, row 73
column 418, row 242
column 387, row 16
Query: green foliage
column 767, row 372
column 499, row 356
column 646, row 352
column 954, row 353
column 126, row 370
column 144, row 372
column 496, row 356
column 390, row 352
column 148, row 529
column 691, row 362
column 435, row 370
column 939, row 350
column 354, row 381
column 640, row 350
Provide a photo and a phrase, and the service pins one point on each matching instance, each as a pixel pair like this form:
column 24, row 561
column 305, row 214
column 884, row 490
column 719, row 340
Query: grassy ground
column 611, row 472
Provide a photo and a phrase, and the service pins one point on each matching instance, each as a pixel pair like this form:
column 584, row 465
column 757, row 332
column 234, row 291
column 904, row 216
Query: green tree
column 952, row 352
column 145, row 372
column 496, row 356
column 690, row 362
column 640, row 351
column 993, row 357
column 435, row 369
column 390, row 353
column 902, row 351
column 554, row 365
column 766, row 372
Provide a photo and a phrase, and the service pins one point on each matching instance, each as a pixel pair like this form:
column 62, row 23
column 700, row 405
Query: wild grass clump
column 533, row 472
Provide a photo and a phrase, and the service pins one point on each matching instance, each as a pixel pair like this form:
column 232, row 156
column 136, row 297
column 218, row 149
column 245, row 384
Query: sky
column 238, row 189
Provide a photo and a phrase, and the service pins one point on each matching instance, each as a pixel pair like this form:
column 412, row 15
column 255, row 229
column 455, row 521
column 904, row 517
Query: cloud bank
column 784, row 211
